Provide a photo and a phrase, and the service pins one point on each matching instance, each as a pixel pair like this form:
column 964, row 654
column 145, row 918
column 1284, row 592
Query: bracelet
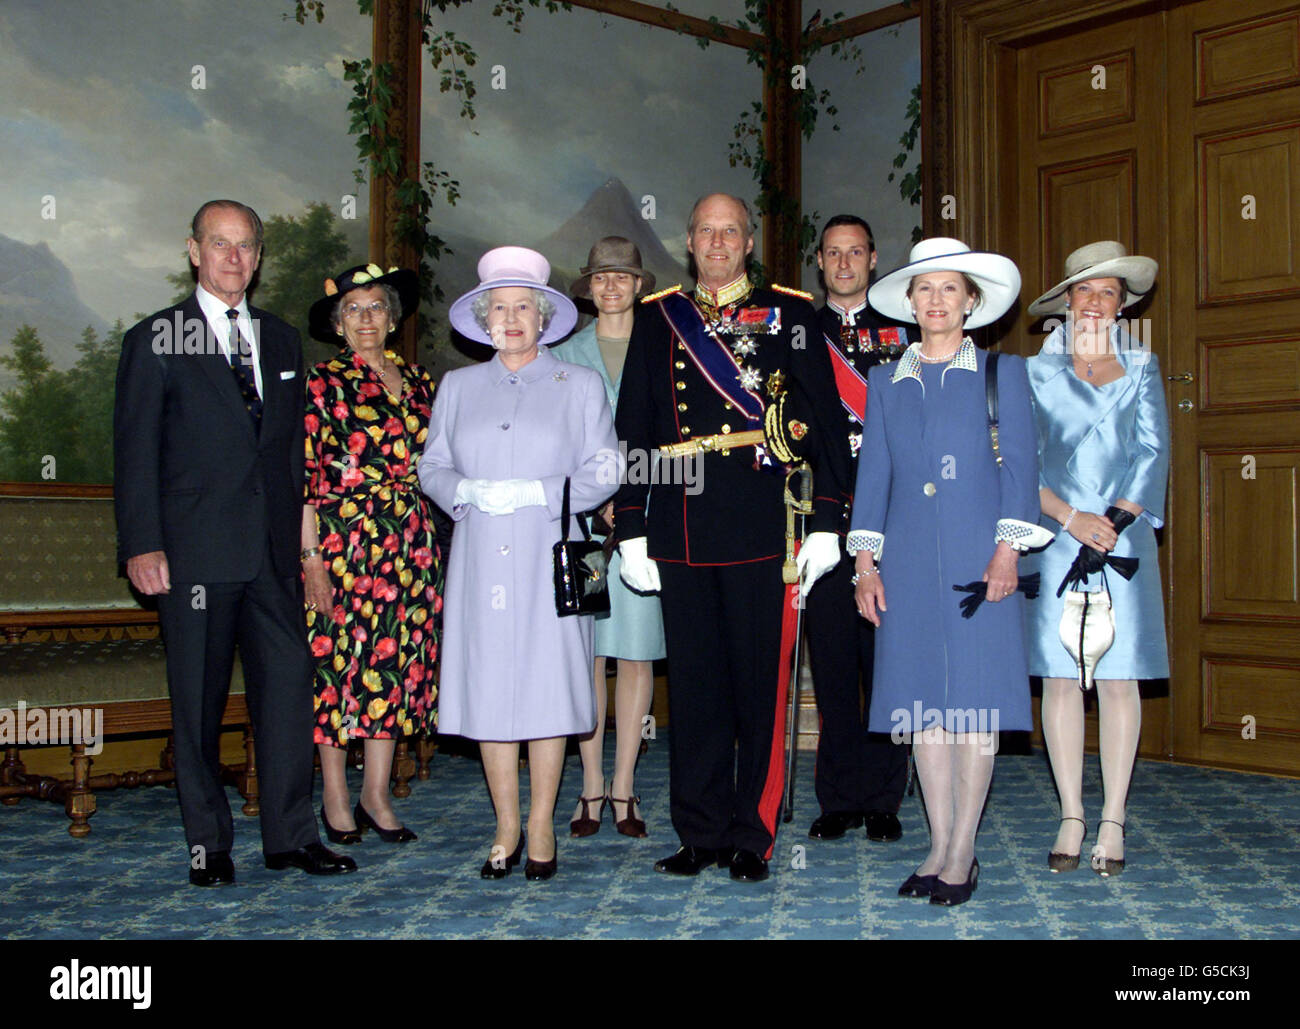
column 1065, row 525
column 856, row 577
column 310, row 552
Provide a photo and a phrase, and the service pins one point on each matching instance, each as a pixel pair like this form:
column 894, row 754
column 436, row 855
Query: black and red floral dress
column 377, row 650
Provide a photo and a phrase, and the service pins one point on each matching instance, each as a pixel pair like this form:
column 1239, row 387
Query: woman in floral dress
column 371, row 565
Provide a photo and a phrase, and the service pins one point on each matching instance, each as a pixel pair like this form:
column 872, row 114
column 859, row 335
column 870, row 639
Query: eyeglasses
column 375, row 308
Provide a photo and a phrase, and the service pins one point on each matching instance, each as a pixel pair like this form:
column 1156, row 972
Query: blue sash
column 711, row 356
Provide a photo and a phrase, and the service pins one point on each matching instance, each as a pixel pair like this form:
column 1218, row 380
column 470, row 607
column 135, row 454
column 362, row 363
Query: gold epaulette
column 664, row 293
column 790, row 291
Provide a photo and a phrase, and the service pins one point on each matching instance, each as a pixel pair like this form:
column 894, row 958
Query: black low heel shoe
column 950, row 894
column 538, row 871
column 338, row 835
column 496, row 867
column 399, row 835
column 918, row 885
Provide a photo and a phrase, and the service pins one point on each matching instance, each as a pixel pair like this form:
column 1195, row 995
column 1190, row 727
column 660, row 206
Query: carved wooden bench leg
column 11, row 774
column 248, row 788
column 79, row 802
column 424, row 750
column 403, row 768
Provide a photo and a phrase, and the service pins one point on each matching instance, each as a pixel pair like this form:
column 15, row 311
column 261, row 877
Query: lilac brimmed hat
column 513, row 266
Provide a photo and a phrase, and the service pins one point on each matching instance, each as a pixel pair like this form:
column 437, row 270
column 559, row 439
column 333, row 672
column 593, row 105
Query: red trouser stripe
column 770, row 802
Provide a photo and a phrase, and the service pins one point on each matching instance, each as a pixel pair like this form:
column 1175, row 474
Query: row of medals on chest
column 742, row 325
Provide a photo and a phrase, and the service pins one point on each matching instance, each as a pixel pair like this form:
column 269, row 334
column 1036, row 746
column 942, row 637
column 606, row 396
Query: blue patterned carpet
column 1212, row 855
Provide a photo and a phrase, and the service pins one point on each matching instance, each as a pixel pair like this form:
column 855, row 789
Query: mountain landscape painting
column 585, row 125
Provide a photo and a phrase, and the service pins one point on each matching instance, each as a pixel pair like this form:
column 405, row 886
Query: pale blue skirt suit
column 1097, row 444
column 633, row 629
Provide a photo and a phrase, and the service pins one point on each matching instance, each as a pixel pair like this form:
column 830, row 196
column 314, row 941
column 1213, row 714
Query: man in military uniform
column 859, row 776
column 703, row 368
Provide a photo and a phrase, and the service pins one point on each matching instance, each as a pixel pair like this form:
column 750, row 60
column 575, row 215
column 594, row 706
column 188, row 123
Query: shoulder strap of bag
column 564, row 517
column 564, row 513
column 991, row 399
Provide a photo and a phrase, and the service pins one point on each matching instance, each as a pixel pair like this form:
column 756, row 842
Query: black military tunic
column 856, row 772
column 719, row 540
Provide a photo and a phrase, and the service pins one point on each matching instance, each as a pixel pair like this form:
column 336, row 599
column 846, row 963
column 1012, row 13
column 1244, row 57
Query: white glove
column 818, row 555
column 636, row 569
column 500, row 496
column 519, row 493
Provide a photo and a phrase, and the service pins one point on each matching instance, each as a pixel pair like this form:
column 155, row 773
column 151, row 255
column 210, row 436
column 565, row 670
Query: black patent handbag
column 581, row 570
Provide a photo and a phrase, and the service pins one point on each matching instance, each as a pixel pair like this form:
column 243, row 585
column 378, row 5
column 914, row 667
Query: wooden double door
column 1175, row 129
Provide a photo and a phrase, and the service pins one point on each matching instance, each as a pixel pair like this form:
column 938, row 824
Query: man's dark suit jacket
column 190, row 477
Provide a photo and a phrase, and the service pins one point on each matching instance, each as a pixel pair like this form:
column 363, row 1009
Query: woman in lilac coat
column 503, row 436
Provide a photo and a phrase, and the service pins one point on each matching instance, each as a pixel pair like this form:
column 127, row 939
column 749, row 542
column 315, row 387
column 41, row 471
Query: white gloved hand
column 470, row 491
column 636, row 569
column 524, row 493
column 818, row 555
column 499, row 496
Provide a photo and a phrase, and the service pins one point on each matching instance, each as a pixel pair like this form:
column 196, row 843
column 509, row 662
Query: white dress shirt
column 214, row 310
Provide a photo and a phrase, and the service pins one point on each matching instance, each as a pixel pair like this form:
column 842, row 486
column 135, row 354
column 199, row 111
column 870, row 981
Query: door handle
column 1185, row 377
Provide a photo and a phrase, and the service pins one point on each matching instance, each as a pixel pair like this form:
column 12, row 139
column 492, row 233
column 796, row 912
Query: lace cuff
column 1022, row 535
column 861, row 539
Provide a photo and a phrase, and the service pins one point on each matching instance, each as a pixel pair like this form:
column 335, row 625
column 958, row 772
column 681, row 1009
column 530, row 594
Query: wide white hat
column 997, row 277
column 1104, row 260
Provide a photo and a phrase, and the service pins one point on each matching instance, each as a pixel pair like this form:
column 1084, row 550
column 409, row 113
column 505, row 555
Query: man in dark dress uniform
column 699, row 366
column 859, row 776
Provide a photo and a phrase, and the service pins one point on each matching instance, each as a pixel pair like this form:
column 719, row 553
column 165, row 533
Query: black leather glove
column 1120, row 518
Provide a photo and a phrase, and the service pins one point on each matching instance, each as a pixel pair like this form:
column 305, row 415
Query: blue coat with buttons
column 928, row 484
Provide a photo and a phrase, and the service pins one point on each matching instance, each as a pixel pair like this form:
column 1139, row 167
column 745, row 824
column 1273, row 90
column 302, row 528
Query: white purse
column 1087, row 630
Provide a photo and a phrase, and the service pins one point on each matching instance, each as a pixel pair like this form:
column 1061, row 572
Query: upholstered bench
column 80, row 652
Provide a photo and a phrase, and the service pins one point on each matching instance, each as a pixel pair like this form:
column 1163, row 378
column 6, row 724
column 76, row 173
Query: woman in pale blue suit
column 1103, row 447
column 633, row 630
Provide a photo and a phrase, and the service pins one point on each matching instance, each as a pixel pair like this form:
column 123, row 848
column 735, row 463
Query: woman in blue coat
column 633, row 630
column 930, row 488
column 1103, row 445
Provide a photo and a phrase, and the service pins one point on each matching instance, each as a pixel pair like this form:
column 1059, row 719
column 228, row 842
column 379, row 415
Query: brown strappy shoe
column 631, row 825
column 585, row 825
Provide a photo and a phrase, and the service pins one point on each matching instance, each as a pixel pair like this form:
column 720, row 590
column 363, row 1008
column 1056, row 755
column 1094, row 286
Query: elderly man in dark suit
column 208, row 480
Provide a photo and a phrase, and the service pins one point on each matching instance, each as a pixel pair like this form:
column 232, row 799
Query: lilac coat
column 511, row 668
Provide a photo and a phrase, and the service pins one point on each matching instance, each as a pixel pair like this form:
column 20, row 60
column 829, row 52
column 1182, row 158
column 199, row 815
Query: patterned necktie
column 241, row 364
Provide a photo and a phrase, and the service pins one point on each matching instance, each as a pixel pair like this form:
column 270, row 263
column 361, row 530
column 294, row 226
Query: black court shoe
column 344, row 836
column 918, row 885
column 399, row 835
column 496, row 867
column 952, row 894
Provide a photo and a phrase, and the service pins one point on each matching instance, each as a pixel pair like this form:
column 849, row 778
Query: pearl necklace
column 936, row 360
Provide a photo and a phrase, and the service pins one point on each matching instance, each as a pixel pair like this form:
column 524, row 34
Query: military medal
column 751, row 378
column 744, row 347
column 749, row 321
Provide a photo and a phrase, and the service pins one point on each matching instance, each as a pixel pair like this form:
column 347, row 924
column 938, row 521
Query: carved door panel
column 1177, row 132
column 1234, row 206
